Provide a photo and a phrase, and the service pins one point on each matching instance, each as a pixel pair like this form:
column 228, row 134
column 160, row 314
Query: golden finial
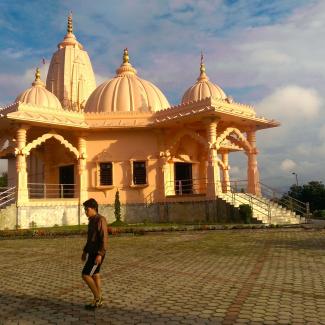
column 126, row 66
column 38, row 81
column 70, row 27
column 202, row 67
column 37, row 74
column 126, row 56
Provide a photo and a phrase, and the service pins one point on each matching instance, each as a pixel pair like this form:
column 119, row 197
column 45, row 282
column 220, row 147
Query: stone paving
column 270, row 276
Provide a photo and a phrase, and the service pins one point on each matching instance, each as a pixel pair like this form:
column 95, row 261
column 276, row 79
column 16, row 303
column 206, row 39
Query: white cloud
column 288, row 165
column 322, row 133
column 14, row 84
column 291, row 103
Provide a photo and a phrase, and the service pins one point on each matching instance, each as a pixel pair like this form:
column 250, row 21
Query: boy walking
column 94, row 251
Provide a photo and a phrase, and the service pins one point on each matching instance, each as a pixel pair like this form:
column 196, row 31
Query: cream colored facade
column 69, row 129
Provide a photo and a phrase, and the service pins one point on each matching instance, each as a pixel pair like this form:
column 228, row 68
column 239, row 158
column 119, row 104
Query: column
column 82, row 169
column 225, row 172
column 21, row 167
column 253, row 185
column 213, row 172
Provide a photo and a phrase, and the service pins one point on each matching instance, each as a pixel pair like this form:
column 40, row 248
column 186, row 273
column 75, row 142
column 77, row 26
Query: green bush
column 245, row 213
column 33, row 224
column 117, row 207
column 319, row 214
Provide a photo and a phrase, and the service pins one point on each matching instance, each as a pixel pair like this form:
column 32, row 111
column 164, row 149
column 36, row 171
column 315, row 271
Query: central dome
column 126, row 92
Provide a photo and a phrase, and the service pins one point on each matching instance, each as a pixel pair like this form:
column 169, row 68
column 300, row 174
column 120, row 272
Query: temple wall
column 214, row 211
column 120, row 148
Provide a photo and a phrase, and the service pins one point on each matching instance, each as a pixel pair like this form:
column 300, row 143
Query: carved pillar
column 21, row 166
column 82, row 169
column 225, row 172
column 213, row 172
column 253, row 185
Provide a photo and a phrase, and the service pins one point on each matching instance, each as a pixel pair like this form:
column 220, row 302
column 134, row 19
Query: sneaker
column 96, row 303
column 101, row 301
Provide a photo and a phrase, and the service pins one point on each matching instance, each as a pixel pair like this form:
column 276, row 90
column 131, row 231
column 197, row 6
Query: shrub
column 32, row 224
column 117, row 206
column 245, row 213
column 319, row 214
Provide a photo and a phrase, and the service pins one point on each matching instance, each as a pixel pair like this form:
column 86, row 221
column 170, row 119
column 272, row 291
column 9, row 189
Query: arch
column 35, row 143
column 241, row 142
column 6, row 151
column 7, row 139
column 191, row 134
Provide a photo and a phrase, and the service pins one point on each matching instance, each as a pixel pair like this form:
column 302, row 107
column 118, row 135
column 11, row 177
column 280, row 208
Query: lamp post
column 296, row 178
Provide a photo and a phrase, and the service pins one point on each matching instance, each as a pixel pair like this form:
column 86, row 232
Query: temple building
column 68, row 140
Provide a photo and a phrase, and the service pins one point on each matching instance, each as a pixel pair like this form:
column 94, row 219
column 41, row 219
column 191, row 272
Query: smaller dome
column 38, row 95
column 203, row 88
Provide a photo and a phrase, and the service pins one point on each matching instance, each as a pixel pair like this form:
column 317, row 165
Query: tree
column 117, row 207
column 313, row 192
column 4, row 180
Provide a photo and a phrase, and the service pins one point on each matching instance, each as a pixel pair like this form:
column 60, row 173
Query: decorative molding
column 103, row 156
column 6, row 151
column 46, row 137
column 241, row 142
column 194, row 135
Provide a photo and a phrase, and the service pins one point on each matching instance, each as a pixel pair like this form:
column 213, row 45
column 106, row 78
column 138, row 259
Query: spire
column 126, row 66
column 126, row 56
column 70, row 26
column 70, row 38
column 38, row 81
column 203, row 75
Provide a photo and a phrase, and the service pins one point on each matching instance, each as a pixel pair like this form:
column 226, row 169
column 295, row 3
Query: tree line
column 312, row 192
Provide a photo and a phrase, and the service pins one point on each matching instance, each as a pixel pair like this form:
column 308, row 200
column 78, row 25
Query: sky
column 269, row 54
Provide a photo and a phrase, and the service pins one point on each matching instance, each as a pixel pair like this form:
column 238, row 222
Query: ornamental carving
column 189, row 133
column 240, row 141
column 37, row 142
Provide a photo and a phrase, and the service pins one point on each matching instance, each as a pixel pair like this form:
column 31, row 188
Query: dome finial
column 126, row 55
column 37, row 74
column 38, row 81
column 203, row 75
column 126, row 66
column 70, row 26
column 202, row 67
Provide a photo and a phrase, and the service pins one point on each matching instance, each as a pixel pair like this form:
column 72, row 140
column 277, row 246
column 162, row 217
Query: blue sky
column 265, row 53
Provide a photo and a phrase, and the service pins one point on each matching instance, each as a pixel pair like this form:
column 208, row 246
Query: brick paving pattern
column 271, row 276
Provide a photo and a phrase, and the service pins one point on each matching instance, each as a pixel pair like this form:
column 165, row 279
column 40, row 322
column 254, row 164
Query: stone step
column 279, row 214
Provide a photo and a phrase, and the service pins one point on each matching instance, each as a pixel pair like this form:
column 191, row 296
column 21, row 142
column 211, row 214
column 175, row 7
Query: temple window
column 139, row 173
column 105, row 174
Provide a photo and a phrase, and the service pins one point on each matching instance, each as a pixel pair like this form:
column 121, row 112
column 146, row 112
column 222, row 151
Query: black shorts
column 90, row 263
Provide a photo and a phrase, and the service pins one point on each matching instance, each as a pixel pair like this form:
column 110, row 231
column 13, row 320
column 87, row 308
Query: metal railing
column 7, row 196
column 258, row 205
column 185, row 187
column 286, row 201
column 51, row 191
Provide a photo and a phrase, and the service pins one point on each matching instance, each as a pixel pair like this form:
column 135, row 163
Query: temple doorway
column 183, row 178
column 66, row 179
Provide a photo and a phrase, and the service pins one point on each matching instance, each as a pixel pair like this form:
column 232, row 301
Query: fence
column 51, row 191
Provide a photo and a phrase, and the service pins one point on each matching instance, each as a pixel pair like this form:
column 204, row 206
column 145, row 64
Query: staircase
column 7, row 196
column 264, row 209
column 7, row 207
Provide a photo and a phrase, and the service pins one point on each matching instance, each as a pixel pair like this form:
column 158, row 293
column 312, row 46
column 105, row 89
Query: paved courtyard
column 213, row 277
